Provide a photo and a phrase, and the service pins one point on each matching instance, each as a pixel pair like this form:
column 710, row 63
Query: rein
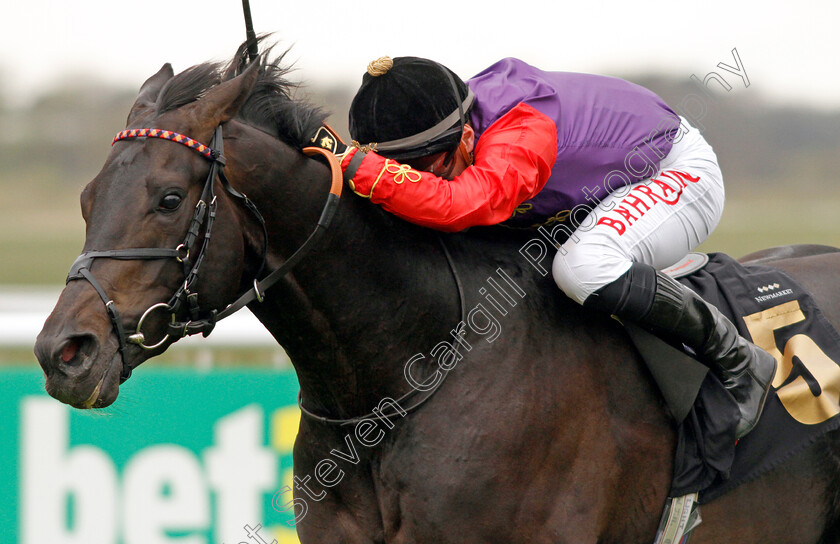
column 204, row 215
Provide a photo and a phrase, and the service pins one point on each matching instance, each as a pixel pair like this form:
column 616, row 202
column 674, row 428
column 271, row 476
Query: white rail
column 23, row 311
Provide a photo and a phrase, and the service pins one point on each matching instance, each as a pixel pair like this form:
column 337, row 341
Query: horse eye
column 170, row 202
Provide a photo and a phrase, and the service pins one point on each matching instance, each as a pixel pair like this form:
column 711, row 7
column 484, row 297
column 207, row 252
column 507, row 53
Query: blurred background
column 760, row 79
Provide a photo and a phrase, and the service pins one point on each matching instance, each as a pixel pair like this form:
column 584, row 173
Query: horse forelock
column 270, row 106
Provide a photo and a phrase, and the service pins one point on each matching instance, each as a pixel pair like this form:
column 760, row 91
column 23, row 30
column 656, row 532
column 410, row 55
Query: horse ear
column 222, row 102
column 149, row 92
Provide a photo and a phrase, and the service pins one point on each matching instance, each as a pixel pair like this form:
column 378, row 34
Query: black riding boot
column 678, row 315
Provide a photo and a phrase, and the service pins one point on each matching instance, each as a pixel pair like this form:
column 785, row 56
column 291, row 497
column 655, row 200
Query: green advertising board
column 183, row 456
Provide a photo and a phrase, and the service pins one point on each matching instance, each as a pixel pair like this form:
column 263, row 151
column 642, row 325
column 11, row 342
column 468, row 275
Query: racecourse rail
column 23, row 311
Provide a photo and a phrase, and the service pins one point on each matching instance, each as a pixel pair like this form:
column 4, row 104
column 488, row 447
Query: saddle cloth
column 778, row 315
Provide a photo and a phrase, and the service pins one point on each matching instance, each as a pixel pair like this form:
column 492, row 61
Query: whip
column 251, row 37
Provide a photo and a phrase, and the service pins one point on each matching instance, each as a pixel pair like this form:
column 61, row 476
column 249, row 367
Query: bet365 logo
column 160, row 493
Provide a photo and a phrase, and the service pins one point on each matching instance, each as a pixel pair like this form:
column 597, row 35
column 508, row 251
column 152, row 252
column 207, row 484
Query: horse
column 450, row 392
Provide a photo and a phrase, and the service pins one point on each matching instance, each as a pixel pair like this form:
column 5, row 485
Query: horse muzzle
column 77, row 351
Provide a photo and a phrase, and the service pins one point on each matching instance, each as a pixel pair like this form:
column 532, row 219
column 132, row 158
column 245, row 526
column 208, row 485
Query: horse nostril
column 65, row 353
column 74, row 350
column 69, row 351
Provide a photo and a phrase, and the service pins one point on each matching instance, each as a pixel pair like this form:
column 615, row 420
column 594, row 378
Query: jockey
column 633, row 185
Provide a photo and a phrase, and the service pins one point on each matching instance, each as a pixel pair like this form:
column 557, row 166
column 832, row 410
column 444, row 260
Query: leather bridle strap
column 204, row 326
column 84, row 260
column 81, row 270
column 260, row 287
column 203, row 216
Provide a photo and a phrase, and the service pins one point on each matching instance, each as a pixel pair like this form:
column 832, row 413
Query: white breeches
column 656, row 221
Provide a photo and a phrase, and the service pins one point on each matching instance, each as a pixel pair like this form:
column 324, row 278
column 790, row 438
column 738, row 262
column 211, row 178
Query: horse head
column 149, row 259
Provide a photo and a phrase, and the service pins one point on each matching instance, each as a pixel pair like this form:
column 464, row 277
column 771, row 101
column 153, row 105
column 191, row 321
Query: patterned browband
column 207, row 152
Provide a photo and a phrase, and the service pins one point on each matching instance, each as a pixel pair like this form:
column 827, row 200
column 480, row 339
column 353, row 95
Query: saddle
column 777, row 314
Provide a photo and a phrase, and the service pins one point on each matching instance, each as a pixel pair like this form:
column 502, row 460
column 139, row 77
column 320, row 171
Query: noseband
column 185, row 299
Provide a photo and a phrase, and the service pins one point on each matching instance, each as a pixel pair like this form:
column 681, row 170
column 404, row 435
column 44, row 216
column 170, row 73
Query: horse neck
column 374, row 292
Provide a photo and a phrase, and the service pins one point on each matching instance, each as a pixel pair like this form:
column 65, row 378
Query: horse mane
column 270, row 106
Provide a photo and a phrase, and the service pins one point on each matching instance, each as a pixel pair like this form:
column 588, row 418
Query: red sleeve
column 513, row 160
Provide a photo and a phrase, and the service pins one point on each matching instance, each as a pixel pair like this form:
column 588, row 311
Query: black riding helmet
column 409, row 107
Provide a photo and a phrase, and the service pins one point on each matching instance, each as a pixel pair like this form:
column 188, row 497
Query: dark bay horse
column 548, row 428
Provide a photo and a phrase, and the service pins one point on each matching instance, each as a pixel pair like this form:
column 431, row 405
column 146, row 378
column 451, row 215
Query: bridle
column 185, row 299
